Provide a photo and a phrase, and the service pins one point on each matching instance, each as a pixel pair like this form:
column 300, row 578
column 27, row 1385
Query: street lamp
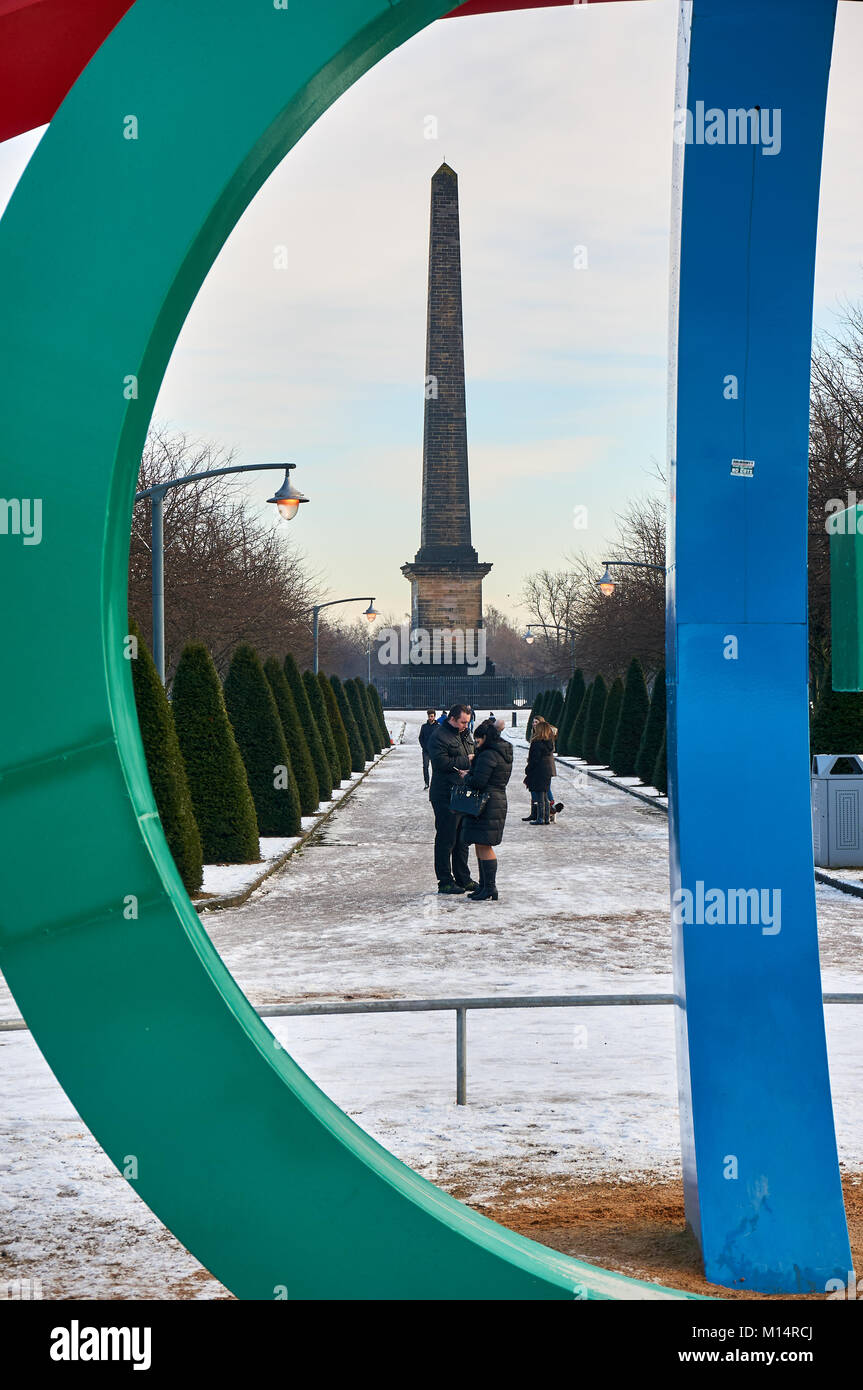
column 156, row 493
column 288, row 499
column 369, row 613
column 530, row 637
column 606, row 583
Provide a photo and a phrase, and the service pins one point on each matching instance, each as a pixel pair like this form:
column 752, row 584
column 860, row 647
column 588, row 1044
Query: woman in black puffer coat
column 539, row 772
column 491, row 770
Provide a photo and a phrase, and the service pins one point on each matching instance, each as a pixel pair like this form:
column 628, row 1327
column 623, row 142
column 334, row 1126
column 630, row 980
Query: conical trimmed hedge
column 660, row 771
column 610, row 716
column 593, row 720
column 358, row 708
column 371, row 715
column 654, row 729
column 319, row 710
column 631, row 721
column 355, row 740
column 372, row 712
column 323, row 771
column 576, row 733
column 295, row 738
column 260, row 737
column 375, row 695
column 837, row 723
column 337, row 724
column 535, row 712
column 218, row 786
column 166, row 767
column 572, row 704
column 555, row 709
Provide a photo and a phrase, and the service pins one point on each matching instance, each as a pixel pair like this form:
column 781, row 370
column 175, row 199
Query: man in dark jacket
column 426, row 731
column 450, row 748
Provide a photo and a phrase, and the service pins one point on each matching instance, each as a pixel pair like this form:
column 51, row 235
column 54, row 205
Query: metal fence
column 460, row 1008
column 437, row 691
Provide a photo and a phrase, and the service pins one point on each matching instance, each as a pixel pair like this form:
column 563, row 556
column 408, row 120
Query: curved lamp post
column 287, row 499
column 606, row 583
column 369, row 614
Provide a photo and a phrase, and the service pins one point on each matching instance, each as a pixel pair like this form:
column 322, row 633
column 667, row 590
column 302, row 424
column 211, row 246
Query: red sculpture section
column 496, row 6
column 45, row 44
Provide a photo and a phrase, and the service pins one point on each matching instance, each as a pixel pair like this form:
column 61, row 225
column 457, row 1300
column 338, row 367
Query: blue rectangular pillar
column 760, row 1166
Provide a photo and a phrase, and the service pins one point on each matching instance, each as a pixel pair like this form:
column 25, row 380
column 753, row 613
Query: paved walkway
column 553, row 1094
column 583, row 904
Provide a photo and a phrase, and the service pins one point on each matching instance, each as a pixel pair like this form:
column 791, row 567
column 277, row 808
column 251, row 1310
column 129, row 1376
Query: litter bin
column 837, row 810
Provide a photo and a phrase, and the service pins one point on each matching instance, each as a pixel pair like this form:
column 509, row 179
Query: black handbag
column 468, row 801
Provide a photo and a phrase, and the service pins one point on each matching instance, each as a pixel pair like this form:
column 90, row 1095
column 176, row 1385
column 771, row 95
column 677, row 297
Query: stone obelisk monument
column 445, row 575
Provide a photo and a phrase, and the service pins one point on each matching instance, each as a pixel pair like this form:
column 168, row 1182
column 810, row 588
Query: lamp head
column 606, row 583
column 370, row 613
column 288, row 499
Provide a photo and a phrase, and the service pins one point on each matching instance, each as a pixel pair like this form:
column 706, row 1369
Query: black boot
column 533, row 811
column 543, row 808
column 479, row 891
column 487, row 888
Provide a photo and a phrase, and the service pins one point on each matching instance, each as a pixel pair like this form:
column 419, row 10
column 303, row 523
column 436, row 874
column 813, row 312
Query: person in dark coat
column 426, row 731
column 490, row 772
column 451, row 750
column 467, row 734
column 468, row 737
column 539, row 772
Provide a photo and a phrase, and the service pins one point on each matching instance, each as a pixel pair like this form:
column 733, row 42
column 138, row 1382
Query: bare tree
column 608, row 631
column 229, row 578
column 553, row 599
column 506, row 647
column 344, row 645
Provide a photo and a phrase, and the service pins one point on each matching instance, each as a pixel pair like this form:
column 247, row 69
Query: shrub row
column 625, row 729
column 620, row 727
column 229, row 764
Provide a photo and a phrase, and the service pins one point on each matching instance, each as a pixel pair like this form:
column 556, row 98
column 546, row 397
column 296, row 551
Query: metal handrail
column 460, row 1007
column 493, row 1001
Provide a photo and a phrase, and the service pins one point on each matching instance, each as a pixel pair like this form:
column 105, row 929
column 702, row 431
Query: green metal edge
column 846, row 598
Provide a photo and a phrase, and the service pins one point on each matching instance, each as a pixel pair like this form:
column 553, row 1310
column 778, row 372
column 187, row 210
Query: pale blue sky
column 558, row 124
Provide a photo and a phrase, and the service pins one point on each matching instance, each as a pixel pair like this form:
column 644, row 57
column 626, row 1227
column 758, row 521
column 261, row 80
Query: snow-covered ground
column 553, row 1094
column 226, row 880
